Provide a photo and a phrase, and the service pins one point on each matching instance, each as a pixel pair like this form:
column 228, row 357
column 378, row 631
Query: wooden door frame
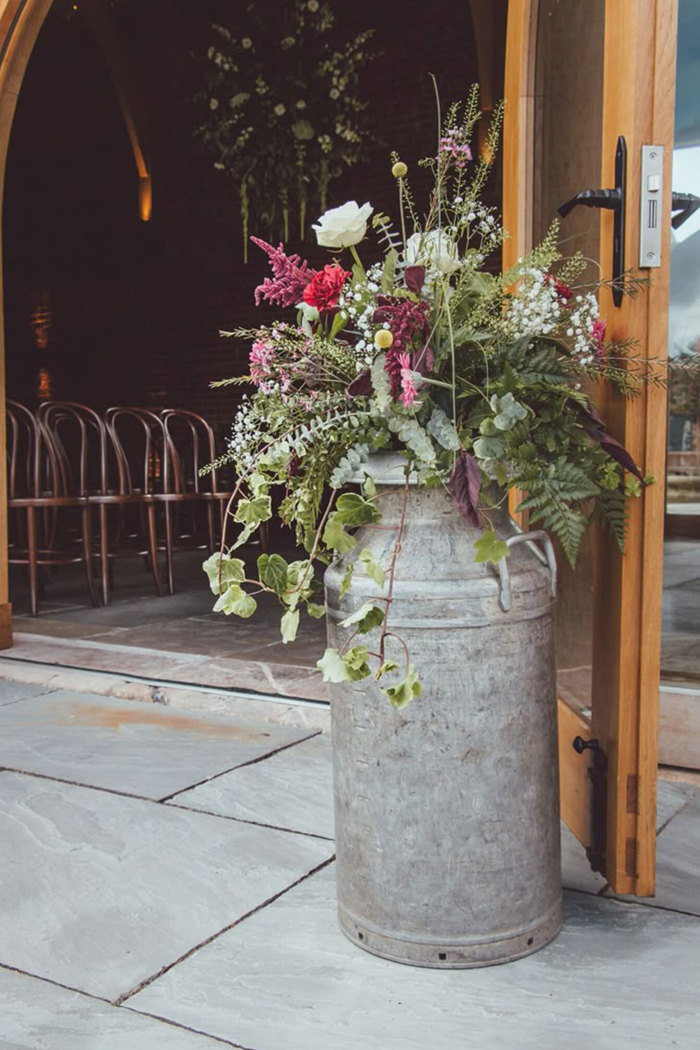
column 639, row 93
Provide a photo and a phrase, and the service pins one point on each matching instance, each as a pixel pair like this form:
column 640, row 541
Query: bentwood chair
column 39, row 500
column 91, row 467
column 194, row 505
column 140, row 446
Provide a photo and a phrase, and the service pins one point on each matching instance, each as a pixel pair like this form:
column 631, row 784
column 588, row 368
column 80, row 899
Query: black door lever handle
column 592, row 199
column 614, row 200
column 686, row 204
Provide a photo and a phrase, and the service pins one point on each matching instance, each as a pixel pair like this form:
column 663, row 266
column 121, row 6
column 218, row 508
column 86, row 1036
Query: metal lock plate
column 650, row 196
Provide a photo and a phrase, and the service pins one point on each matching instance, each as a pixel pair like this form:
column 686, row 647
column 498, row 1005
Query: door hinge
column 598, row 775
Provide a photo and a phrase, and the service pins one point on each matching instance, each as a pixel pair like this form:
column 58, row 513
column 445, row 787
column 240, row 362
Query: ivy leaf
column 289, row 625
column 385, row 668
column 335, row 536
column 235, row 600
column 333, row 667
column 464, row 485
column 223, row 570
column 349, row 668
column 369, row 488
column 372, row 568
column 356, row 665
column 354, row 509
column 367, row 617
column 402, row 694
column 346, row 581
column 490, row 548
column 272, row 569
column 317, row 611
column 295, row 590
column 253, row 511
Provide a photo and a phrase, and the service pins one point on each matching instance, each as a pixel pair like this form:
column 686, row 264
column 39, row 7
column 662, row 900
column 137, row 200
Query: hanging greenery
column 283, row 113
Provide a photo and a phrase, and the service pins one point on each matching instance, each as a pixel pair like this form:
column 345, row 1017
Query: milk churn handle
column 506, row 597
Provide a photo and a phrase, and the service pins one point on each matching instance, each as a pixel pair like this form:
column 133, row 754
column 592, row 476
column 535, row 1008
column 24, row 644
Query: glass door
column 679, row 739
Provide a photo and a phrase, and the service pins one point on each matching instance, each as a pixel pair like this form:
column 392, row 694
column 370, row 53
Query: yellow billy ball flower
column 383, row 339
column 399, row 170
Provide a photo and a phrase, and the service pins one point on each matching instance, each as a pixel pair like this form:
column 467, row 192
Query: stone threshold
column 53, row 670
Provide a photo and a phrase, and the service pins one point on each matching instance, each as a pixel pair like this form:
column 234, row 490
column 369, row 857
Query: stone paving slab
column 678, row 866
column 140, row 749
column 292, row 789
column 618, row 976
column 36, row 1015
column 100, row 892
column 13, row 692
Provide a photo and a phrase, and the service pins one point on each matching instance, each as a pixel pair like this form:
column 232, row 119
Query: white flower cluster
column 580, row 318
column 537, row 307
column 478, row 222
column 358, row 307
column 246, row 433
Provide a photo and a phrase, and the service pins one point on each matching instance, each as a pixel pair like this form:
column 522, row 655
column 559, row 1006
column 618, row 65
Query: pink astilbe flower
column 408, row 389
column 598, row 333
column 290, row 276
column 261, row 357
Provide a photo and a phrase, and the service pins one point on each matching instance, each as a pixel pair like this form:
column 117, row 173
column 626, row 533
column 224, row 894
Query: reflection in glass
column 680, row 650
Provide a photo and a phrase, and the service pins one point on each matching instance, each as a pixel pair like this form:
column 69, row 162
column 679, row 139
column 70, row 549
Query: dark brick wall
column 138, row 306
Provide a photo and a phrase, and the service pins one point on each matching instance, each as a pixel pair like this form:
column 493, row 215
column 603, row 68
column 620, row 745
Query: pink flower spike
column 598, row 333
column 290, row 276
column 408, row 389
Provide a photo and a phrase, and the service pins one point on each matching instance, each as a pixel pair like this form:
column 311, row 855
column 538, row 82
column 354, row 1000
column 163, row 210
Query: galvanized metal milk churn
column 447, row 812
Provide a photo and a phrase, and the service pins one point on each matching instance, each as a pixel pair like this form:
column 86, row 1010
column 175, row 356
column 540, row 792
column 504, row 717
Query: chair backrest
column 141, row 448
column 32, row 462
column 79, row 436
column 193, row 446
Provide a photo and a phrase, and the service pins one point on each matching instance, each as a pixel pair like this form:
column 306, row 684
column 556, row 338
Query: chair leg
column 153, row 549
column 31, row 555
column 104, row 554
column 210, row 527
column 169, row 547
column 87, row 554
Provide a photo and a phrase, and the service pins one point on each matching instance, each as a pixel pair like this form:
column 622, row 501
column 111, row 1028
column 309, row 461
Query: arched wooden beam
column 101, row 24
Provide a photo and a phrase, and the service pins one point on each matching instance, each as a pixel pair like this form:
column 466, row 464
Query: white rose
column 343, row 226
column 435, row 250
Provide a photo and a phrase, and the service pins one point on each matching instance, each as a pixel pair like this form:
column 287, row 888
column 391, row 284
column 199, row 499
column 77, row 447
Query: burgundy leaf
column 595, row 426
column 423, row 361
column 361, row 385
column 415, row 278
column 464, row 486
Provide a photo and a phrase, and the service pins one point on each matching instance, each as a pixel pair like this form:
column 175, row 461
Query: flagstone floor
column 167, row 884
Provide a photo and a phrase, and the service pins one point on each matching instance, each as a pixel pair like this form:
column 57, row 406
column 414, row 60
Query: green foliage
column 489, row 548
column 364, row 619
column 372, row 567
column 400, row 695
column 234, row 600
column 223, row 570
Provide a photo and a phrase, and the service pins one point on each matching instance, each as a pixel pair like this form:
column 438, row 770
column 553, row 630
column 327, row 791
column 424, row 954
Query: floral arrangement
column 283, row 112
column 474, row 377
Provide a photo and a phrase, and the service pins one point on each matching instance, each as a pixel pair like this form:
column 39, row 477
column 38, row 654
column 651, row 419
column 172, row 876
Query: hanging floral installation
column 283, row 112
